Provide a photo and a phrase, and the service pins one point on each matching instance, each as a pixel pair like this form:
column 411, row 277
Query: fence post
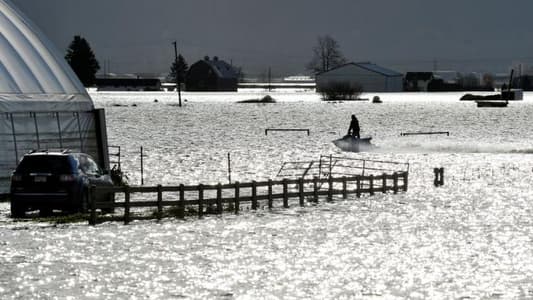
column 229, row 168
column 159, row 202
column 315, row 189
column 371, row 185
column 181, row 205
column 254, row 195
column 237, row 191
column 344, row 194
column 270, row 193
column 330, row 188
column 358, row 183
column 126, row 205
column 330, row 164
column 285, row 196
column 384, row 183
column 219, row 198
column 439, row 176
column 395, row 182
column 200, row 200
column 301, row 191
column 92, row 196
column 142, row 166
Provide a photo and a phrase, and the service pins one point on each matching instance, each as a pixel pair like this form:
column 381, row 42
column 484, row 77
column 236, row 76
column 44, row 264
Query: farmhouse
column 212, row 75
column 371, row 77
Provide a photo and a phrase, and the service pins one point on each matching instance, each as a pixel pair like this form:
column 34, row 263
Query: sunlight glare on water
column 470, row 239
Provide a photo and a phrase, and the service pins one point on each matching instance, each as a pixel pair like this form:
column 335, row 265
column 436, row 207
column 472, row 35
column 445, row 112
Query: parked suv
column 46, row 181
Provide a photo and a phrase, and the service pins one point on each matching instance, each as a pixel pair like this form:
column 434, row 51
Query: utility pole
column 269, row 80
column 177, row 72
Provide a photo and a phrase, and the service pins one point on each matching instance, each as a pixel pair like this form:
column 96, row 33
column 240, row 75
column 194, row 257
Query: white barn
column 43, row 105
column 371, row 77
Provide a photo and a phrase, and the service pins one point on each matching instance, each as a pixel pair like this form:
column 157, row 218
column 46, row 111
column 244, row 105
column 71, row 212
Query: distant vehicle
column 46, row 181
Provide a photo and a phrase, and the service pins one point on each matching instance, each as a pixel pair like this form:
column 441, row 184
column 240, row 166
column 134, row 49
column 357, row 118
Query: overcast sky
column 405, row 35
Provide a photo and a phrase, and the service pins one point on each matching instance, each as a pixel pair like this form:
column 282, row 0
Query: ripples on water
column 471, row 238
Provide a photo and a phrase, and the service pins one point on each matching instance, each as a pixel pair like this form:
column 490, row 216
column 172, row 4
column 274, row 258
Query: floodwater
column 469, row 239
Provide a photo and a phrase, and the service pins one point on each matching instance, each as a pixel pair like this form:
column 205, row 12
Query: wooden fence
column 254, row 193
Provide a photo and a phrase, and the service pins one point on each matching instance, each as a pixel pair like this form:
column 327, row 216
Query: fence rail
column 329, row 165
column 424, row 133
column 249, row 192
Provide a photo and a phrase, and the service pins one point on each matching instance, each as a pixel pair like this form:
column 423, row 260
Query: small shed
column 371, row 77
column 212, row 75
column 417, row 81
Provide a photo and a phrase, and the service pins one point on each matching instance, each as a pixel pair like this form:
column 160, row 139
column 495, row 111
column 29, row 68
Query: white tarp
column 43, row 105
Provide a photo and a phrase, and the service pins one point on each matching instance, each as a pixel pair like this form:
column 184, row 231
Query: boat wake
column 454, row 147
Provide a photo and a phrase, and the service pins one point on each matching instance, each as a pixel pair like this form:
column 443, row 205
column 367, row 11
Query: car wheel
column 17, row 210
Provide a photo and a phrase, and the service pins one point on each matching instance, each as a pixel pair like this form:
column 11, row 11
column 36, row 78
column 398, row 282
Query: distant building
column 417, row 81
column 448, row 77
column 128, row 84
column 524, row 82
column 299, row 78
column 371, row 77
column 212, row 75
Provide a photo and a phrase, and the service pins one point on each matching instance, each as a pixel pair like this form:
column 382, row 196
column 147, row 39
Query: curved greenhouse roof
column 33, row 74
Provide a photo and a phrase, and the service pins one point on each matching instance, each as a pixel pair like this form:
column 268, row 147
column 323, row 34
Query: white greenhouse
column 371, row 77
column 43, row 105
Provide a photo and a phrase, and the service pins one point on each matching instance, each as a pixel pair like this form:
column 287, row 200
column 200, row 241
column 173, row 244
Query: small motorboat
column 351, row 144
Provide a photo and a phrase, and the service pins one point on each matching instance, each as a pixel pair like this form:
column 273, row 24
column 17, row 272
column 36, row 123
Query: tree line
column 81, row 57
column 83, row 62
column 326, row 55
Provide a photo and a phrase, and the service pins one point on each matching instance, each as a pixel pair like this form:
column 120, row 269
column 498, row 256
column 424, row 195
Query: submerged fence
column 223, row 197
column 338, row 166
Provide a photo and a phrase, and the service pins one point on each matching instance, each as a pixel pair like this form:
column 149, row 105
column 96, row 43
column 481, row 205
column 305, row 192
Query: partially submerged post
column 92, row 197
column 126, row 205
column 229, row 168
column 439, row 176
column 200, row 200
column 219, row 198
column 159, row 202
column 237, row 200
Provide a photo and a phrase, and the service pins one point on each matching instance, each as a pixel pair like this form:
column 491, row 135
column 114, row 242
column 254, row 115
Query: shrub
column 341, row 91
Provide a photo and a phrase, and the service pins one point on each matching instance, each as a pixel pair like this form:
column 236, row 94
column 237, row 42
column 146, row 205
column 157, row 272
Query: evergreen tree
column 81, row 58
column 182, row 68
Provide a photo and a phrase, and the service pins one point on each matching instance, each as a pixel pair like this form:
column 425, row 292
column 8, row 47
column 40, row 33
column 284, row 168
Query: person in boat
column 354, row 129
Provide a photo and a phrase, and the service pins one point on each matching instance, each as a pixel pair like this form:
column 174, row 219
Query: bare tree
column 326, row 55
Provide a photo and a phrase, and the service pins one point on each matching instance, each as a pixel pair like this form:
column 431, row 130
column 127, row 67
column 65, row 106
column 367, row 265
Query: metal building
column 371, row 77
